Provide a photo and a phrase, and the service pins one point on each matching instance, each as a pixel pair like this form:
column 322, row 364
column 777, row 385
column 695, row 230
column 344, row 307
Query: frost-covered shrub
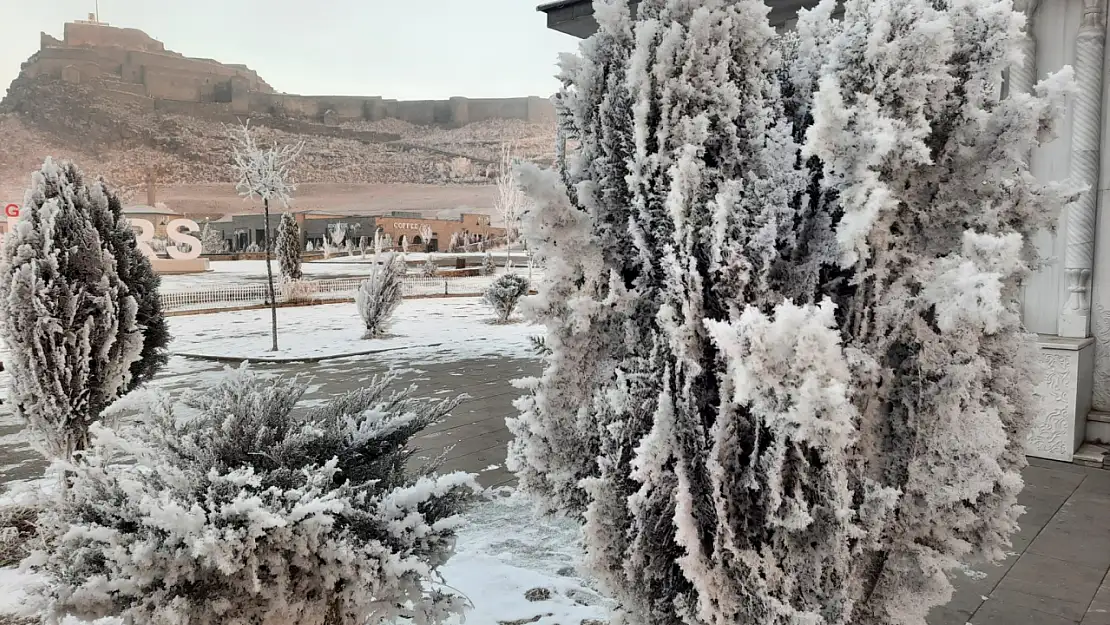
column 18, row 532
column 787, row 380
column 505, row 293
column 379, row 295
column 243, row 508
column 68, row 319
column 489, row 267
column 430, row 268
column 288, row 248
column 212, row 240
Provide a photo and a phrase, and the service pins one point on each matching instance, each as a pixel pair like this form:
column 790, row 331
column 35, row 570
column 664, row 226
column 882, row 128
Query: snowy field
column 237, row 272
column 453, row 328
column 503, row 552
column 240, row 272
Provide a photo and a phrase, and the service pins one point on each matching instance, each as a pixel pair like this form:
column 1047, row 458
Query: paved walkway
column 475, row 431
column 1057, row 572
column 1056, row 575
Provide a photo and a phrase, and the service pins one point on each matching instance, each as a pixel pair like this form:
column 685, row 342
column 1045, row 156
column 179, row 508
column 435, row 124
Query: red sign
column 11, row 210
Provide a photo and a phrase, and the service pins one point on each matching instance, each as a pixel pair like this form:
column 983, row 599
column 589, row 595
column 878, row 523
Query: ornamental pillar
column 1075, row 316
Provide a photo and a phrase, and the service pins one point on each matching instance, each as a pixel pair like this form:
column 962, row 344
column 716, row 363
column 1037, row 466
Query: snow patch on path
column 505, row 550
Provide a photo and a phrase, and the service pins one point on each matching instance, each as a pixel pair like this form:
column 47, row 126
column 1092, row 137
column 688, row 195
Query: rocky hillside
column 107, row 136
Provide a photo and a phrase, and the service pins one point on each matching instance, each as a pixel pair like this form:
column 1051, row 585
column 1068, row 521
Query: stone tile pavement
column 1055, row 575
column 1057, row 571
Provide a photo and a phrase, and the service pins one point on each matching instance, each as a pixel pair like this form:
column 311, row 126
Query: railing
column 317, row 290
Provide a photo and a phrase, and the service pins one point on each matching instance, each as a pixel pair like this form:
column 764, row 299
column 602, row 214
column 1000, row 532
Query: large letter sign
column 181, row 238
column 174, row 231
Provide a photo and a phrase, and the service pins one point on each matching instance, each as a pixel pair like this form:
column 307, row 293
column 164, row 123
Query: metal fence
column 235, row 296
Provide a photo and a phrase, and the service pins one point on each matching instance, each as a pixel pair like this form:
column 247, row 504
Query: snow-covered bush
column 456, row 242
column 244, row 509
column 787, row 380
column 430, row 268
column 379, row 295
column 426, row 237
column 68, row 319
column 212, row 240
column 489, row 267
column 505, row 293
column 19, row 532
column 288, row 248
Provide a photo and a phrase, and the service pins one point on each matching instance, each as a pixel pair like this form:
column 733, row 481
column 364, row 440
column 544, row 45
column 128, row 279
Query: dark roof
column 576, row 17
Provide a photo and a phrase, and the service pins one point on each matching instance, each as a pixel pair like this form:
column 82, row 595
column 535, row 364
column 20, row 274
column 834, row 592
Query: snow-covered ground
column 233, row 272
column 240, row 272
column 503, row 551
column 450, row 328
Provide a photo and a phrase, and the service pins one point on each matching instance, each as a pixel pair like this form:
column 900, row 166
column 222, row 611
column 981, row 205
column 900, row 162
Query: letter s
column 173, row 230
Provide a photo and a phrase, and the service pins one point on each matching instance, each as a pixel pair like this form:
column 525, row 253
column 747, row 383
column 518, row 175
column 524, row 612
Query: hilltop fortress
column 133, row 68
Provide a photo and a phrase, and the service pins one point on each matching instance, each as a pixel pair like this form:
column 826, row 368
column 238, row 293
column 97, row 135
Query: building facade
column 1067, row 303
column 246, row 232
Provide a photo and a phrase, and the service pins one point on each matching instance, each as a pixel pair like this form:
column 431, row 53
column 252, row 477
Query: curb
column 308, row 359
column 339, row 300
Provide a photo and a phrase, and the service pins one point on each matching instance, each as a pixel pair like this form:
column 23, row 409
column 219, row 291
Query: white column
column 1024, row 75
column 1100, row 321
column 1075, row 317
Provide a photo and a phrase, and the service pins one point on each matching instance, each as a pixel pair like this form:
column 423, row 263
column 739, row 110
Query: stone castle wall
column 130, row 62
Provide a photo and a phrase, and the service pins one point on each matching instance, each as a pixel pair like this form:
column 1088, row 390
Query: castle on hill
column 135, row 69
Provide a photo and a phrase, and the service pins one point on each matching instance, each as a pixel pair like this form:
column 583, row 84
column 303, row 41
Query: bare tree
column 512, row 202
column 426, row 237
column 264, row 173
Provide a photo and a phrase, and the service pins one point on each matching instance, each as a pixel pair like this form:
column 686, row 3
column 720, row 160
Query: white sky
column 402, row 49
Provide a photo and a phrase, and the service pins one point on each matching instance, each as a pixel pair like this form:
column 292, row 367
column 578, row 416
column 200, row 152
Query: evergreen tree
column 68, row 320
column 211, row 240
column 504, row 294
column 289, row 247
column 488, row 266
column 136, row 272
column 785, row 379
column 379, row 295
column 430, row 269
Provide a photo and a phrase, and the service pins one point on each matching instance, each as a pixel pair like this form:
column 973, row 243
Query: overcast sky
column 402, row 49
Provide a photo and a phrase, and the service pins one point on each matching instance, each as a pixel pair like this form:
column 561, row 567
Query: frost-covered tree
column 426, row 236
column 488, row 266
column 68, row 320
column 137, row 274
column 504, row 295
column 212, row 240
column 785, row 377
column 379, row 295
column 430, row 268
column 289, row 247
column 252, row 511
column 512, row 202
column 265, row 173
